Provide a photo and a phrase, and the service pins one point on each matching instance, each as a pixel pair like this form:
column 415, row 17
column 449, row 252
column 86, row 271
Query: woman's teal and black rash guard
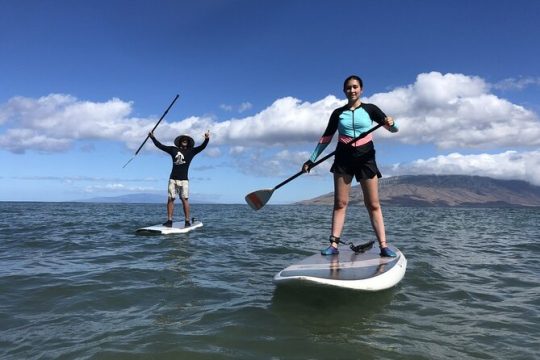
column 350, row 124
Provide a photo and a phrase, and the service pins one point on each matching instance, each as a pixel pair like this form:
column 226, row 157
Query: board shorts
column 178, row 188
column 356, row 161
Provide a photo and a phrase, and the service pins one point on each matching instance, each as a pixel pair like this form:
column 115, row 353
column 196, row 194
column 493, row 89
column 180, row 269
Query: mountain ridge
column 445, row 191
column 140, row 198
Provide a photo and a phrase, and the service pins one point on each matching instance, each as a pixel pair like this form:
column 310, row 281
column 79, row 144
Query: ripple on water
column 77, row 282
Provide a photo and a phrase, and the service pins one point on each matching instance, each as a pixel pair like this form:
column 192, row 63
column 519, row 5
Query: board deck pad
column 363, row 271
column 177, row 228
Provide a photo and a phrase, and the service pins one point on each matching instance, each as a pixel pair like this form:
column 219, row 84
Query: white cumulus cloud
column 457, row 111
column 450, row 111
column 454, row 112
column 51, row 123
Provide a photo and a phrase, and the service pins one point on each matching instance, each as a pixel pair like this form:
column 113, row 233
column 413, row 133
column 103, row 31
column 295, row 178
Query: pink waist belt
column 347, row 139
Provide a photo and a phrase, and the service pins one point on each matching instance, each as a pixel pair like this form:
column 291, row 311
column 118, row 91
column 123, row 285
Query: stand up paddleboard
column 359, row 271
column 177, row 228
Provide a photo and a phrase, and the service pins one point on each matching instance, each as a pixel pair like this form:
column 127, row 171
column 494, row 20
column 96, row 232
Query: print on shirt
column 179, row 159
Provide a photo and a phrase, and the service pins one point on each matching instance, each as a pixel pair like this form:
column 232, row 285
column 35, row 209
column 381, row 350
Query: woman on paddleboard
column 182, row 154
column 354, row 160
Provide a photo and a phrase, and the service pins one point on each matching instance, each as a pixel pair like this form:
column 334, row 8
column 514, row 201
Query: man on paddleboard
column 182, row 154
column 354, row 160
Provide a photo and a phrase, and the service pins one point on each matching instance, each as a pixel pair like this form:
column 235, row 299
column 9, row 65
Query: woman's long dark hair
column 353, row 77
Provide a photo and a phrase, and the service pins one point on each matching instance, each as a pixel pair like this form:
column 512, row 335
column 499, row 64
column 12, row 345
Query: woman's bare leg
column 370, row 189
column 342, row 187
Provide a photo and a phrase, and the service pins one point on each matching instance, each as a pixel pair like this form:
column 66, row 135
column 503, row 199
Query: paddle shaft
column 326, row 157
column 155, row 126
column 161, row 118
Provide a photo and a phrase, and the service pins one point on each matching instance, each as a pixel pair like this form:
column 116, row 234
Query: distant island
column 129, row 199
column 410, row 190
column 139, row 198
column 445, row 191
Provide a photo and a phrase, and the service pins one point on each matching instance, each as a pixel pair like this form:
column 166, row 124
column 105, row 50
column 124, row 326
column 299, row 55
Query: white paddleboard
column 177, row 228
column 359, row 271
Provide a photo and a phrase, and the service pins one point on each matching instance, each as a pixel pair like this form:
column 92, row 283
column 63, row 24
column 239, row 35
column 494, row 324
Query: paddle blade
column 257, row 199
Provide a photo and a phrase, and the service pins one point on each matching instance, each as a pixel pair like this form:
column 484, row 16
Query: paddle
column 147, row 136
column 259, row 198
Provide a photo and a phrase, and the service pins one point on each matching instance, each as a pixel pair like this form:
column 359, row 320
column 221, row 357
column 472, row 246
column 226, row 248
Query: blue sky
column 82, row 83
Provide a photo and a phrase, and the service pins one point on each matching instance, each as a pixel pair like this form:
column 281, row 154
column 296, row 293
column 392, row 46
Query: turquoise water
column 76, row 282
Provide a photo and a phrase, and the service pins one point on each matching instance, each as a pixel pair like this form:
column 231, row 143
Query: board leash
column 361, row 248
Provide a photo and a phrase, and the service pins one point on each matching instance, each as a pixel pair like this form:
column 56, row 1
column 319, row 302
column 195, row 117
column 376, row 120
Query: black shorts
column 356, row 161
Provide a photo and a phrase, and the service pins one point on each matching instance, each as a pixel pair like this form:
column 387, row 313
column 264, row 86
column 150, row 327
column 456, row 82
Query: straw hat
column 179, row 139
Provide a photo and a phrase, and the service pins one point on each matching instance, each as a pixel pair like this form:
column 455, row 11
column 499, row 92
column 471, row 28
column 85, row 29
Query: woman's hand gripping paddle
column 257, row 199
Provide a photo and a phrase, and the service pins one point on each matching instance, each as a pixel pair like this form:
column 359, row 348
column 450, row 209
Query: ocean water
column 76, row 282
